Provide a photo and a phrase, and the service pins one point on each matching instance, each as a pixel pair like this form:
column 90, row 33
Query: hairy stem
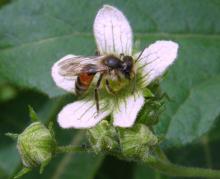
column 181, row 171
column 71, row 148
column 161, row 155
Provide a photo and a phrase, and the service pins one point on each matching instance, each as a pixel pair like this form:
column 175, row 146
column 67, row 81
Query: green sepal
column 43, row 165
column 150, row 112
column 32, row 114
column 22, row 172
column 12, row 135
column 147, row 93
column 51, row 129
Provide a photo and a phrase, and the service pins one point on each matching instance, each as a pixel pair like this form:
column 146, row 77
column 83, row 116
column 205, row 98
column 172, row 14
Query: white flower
column 113, row 35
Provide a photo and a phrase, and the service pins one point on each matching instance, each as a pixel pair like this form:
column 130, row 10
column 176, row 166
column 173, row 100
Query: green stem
column 162, row 164
column 71, row 148
column 180, row 171
column 160, row 153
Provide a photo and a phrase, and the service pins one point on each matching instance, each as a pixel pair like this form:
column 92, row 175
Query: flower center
column 118, row 85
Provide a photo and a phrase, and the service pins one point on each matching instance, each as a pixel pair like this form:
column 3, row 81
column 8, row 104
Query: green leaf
column 214, row 134
column 33, row 38
column 4, row 2
column 204, row 153
column 193, row 86
column 198, row 111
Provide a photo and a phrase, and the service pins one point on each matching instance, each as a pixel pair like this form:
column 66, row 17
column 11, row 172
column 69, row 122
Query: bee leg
column 109, row 88
column 118, row 76
column 96, row 92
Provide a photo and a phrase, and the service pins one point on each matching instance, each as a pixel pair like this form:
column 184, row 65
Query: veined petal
column 82, row 114
column 65, row 82
column 112, row 32
column 156, row 59
column 127, row 111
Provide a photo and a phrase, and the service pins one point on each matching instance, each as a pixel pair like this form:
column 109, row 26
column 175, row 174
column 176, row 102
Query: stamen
column 147, row 63
column 139, row 56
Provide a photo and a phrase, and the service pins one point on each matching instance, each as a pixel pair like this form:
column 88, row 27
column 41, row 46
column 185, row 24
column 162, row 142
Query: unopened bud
column 36, row 145
column 103, row 137
column 136, row 141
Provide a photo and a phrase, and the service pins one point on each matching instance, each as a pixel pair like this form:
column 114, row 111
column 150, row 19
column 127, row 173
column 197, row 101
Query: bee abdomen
column 83, row 82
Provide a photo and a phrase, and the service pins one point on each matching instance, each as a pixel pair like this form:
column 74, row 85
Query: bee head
column 127, row 66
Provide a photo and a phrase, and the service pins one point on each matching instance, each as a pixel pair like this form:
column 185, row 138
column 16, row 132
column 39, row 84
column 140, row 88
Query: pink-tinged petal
column 156, row 59
column 127, row 111
column 65, row 82
column 82, row 114
column 112, row 32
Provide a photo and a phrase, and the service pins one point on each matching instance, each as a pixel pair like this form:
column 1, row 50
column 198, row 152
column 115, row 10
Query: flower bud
column 103, row 137
column 129, row 144
column 36, row 145
column 135, row 142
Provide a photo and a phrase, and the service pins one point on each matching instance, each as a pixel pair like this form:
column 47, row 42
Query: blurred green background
column 36, row 33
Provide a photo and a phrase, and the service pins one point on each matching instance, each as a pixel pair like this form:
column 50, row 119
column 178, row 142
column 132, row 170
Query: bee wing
column 65, row 71
column 76, row 65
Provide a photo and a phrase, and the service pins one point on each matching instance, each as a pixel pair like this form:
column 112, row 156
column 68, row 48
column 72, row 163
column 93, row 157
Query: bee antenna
column 138, row 58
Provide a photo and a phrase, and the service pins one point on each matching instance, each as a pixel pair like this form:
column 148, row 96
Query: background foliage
column 36, row 33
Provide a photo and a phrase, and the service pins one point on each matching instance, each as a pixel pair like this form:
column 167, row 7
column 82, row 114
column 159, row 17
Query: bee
column 85, row 68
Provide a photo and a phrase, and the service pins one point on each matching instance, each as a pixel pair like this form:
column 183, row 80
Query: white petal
column 127, row 112
column 112, row 32
column 156, row 59
column 81, row 114
column 64, row 82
